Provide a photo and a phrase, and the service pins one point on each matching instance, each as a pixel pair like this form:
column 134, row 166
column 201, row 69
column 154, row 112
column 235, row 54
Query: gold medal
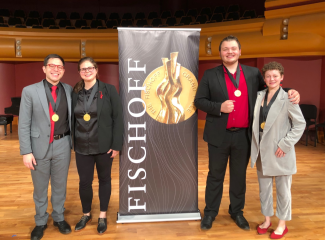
column 55, row 117
column 237, row 93
column 86, row 117
column 169, row 92
column 262, row 125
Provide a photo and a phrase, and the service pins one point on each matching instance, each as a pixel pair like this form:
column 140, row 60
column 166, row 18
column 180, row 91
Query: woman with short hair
column 277, row 126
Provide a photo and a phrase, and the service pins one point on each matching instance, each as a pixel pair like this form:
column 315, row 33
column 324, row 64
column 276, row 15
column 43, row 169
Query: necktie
column 53, row 92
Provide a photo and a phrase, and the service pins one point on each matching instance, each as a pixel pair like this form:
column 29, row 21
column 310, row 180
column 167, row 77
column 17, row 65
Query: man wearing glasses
column 45, row 142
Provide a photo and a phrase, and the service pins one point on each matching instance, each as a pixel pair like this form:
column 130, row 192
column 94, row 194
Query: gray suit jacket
column 34, row 125
column 283, row 128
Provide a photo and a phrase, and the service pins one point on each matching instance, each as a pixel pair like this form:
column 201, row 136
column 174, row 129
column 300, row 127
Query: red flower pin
column 101, row 94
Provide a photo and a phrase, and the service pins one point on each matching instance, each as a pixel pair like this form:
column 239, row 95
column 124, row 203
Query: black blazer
column 212, row 92
column 110, row 119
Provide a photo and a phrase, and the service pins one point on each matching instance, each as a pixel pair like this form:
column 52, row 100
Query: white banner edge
column 161, row 29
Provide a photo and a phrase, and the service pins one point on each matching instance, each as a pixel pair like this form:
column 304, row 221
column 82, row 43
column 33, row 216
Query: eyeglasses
column 53, row 66
column 90, row 69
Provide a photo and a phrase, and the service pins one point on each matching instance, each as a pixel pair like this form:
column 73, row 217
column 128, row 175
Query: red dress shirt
column 239, row 117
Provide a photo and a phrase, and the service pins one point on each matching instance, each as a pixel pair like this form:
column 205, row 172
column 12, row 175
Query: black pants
column 236, row 146
column 85, row 166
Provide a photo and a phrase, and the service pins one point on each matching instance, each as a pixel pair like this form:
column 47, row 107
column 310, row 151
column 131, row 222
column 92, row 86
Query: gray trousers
column 54, row 166
column 283, row 193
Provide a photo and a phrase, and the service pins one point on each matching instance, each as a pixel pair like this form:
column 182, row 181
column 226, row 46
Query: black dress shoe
column 102, row 225
column 63, row 226
column 241, row 222
column 82, row 223
column 206, row 222
column 38, row 232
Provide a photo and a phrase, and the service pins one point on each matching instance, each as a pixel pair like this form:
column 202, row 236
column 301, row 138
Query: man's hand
column 114, row 153
column 279, row 153
column 29, row 161
column 294, row 96
column 227, row 106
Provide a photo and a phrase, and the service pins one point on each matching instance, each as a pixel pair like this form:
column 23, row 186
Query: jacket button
column 48, row 135
column 49, row 125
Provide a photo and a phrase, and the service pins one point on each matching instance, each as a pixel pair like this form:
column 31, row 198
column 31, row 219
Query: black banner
column 158, row 70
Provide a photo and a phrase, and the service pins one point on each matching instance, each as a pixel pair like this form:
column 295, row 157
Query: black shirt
column 261, row 118
column 62, row 125
column 86, row 133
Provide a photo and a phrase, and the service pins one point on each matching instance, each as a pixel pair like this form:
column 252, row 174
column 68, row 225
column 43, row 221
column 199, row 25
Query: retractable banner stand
column 159, row 160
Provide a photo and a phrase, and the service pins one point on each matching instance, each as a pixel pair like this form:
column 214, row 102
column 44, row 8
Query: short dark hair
column 230, row 38
column 273, row 66
column 46, row 59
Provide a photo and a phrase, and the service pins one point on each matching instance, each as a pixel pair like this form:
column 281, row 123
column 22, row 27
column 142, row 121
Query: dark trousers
column 236, row 146
column 85, row 166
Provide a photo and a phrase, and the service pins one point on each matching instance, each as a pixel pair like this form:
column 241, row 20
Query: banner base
column 158, row 217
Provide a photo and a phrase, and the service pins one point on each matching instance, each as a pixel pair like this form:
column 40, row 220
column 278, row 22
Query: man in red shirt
column 227, row 93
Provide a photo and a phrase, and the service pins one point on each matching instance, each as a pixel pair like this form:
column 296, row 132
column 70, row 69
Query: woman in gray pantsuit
column 277, row 126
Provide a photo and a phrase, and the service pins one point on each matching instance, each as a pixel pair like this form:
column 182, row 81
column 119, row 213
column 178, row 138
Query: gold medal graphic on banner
column 170, row 91
column 237, row 93
column 86, row 117
column 262, row 125
column 55, row 117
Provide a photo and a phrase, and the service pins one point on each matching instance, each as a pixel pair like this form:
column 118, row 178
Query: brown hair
column 80, row 85
column 230, row 38
column 273, row 66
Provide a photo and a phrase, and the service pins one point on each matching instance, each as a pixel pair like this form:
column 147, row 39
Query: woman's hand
column 114, row 153
column 279, row 153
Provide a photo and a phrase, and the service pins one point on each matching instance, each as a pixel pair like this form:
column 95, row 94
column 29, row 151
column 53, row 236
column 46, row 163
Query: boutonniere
column 101, row 94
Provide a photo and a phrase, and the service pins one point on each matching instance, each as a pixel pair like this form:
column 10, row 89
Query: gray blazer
column 34, row 125
column 283, row 128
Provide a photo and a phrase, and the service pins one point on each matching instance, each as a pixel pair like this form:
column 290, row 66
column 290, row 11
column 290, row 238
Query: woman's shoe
column 263, row 230
column 82, row 223
column 102, row 225
column 276, row 236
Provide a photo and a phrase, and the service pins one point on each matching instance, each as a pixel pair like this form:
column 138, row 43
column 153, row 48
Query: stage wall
column 306, row 74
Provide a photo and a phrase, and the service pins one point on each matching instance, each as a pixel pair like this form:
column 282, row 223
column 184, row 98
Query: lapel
column 100, row 98
column 68, row 94
column 222, row 80
column 249, row 84
column 42, row 97
column 256, row 127
column 274, row 111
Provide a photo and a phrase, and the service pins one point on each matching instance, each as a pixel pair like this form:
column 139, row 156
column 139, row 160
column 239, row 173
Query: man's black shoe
column 82, row 223
column 38, row 232
column 206, row 222
column 102, row 225
column 241, row 222
column 63, row 226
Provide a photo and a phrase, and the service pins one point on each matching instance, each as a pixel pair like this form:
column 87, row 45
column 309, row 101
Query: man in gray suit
column 45, row 142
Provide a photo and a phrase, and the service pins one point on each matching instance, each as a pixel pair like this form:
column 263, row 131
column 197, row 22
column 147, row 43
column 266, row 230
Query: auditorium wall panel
column 304, row 75
column 7, row 85
column 109, row 73
column 322, row 94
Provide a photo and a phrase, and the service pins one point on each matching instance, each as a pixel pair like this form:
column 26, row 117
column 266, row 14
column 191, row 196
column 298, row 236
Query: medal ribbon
column 90, row 99
column 55, row 104
column 266, row 108
column 235, row 82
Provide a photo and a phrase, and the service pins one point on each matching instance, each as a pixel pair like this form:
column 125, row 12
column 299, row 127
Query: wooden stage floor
column 17, row 207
